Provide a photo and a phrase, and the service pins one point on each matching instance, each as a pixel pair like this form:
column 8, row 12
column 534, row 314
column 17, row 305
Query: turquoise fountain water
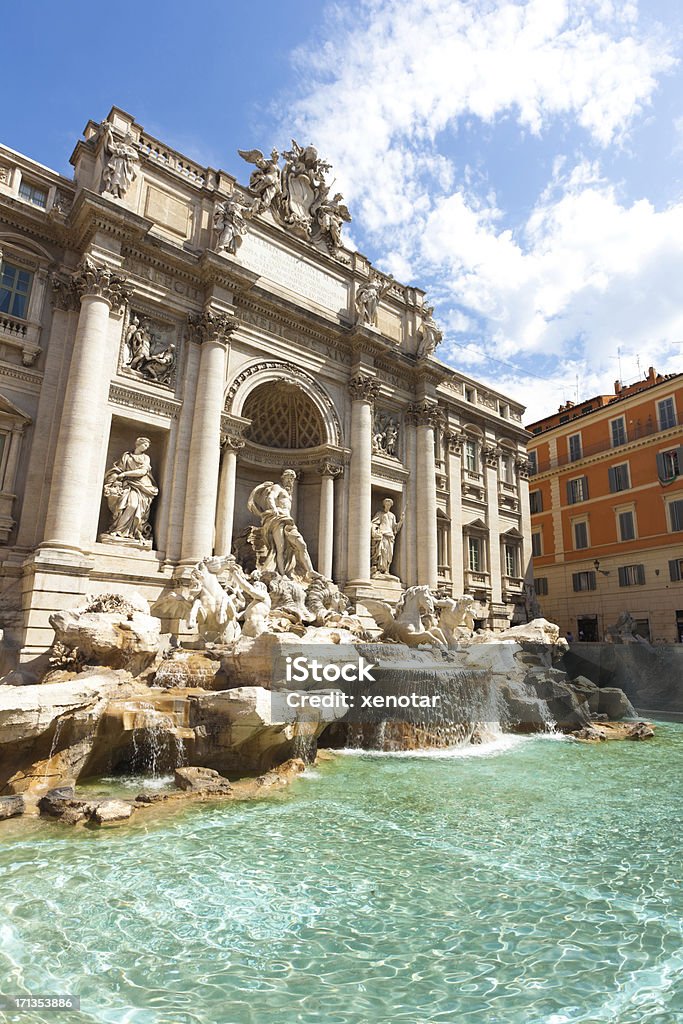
column 537, row 880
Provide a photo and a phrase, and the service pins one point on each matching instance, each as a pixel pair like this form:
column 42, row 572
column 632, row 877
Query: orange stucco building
column 606, row 493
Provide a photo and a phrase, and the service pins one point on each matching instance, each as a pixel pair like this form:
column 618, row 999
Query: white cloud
column 384, row 97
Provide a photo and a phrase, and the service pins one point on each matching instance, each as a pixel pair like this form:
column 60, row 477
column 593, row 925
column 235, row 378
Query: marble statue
column 297, row 195
column 144, row 353
column 456, row 618
column 130, row 489
column 265, row 183
column 384, row 530
column 329, row 215
column 405, row 624
column 385, row 435
column 429, row 334
column 121, row 164
column 287, row 552
column 368, row 297
column 229, row 222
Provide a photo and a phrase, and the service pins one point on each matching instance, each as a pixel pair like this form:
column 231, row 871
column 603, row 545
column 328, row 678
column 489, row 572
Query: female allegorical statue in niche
column 130, row 489
column 385, row 528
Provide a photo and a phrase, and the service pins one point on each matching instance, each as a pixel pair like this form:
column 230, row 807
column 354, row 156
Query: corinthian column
column 363, row 389
column 426, row 415
column 212, row 332
column 225, row 512
column 84, row 409
column 328, row 472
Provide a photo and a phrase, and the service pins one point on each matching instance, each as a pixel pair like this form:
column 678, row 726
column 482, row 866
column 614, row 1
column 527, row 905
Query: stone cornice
column 92, row 213
column 143, row 401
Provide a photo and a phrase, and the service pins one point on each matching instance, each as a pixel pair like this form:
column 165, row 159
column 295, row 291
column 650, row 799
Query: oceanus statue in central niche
column 285, row 548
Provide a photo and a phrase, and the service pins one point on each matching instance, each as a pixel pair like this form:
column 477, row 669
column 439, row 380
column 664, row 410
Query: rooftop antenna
column 621, row 379
column 577, row 389
column 638, row 363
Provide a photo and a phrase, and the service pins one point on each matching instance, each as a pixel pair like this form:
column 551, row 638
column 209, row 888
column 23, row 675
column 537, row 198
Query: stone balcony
column 22, row 335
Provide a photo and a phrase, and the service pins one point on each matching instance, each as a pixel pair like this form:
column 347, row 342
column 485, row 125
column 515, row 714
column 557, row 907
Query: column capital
column 491, row 453
column 64, row 293
column 232, row 442
column 363, row 388
column 333, row 469
column 425, row 414
column 211, row 326
column 454, row 440
column 522, row 466
column 102, row 282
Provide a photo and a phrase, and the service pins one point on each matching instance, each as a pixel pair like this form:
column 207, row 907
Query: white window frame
column 670, row 502
column 539, row 534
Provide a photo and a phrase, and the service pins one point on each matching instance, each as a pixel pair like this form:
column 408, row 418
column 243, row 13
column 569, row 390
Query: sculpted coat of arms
column 297, row 194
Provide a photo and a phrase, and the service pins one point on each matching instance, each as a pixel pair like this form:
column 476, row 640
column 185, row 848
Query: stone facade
column 170, row 339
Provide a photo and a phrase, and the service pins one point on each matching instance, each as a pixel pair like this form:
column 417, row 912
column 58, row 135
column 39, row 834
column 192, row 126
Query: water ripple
column 538, row 884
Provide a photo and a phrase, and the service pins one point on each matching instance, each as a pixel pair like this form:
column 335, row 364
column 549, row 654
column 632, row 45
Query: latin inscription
column 295, row 274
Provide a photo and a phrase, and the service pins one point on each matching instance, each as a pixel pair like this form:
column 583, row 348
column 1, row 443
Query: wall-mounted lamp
column 603, row 572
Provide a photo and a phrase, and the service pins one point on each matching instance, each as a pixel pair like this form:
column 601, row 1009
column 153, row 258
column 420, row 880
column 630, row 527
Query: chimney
column 617, row 387
column 651, row 375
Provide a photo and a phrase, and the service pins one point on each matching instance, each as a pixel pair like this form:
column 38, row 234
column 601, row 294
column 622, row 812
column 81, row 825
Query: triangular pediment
column 477, row 524
column 10, row 410
column 513, row 534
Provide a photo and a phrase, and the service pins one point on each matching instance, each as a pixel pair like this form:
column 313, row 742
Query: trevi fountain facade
column 229, row 447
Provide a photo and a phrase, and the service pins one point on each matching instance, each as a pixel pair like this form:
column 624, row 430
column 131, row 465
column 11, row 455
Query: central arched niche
column 283, row 416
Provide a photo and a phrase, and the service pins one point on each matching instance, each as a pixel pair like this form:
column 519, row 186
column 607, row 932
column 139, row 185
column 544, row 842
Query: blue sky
column 521, row 161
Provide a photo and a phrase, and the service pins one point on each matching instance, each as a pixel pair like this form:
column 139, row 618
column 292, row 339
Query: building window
column 669, row 464
column 533, row 463
column 536, row 543
column 575, row 452
column 507, row 469
column 471, row 456
column 619, row 477
column 541, row 586
column 618, row 432
column 627, row 526
column 676, row 515
column 511, row 567
column 536, row 501
column 474, row 553
column 15, row 288
column 577, row 490
column 666, row 412
column 631, row 575
column 33, row 194
column 583, row 581
column 676, row 570
column 580, row 535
